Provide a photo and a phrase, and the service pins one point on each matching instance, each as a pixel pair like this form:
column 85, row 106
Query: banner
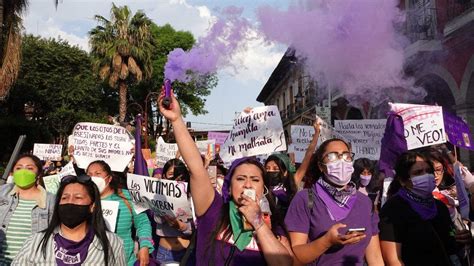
column 258, row 132
column 458, row 131
column 423, row 124
column 109, row 143
column 219, row 137
column 48, row 151
column 51, row 183
column 365, row 136
column 68, row 169
column 163, row 197
column 110, row 211
column 165, row 151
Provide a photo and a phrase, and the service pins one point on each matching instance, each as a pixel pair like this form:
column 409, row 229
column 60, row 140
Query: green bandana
column 241, row 238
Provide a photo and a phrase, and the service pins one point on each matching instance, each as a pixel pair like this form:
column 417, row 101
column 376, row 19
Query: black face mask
column 72, row 215
column 274, row 178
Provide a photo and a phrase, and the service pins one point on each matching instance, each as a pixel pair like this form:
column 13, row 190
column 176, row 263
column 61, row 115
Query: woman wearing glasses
column 77, row 233
column 332, row 223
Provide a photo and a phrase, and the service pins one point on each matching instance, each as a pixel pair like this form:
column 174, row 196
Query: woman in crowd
column 102, row 176
column 415, row 228
column 221, row 235
column 280, row 178
column 363, row 172
column 25, row 206
column 77, row 234
column 174, row 234
column 332, row 223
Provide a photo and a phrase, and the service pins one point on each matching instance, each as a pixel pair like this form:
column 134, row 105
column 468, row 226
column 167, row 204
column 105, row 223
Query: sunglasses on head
column 80, row 179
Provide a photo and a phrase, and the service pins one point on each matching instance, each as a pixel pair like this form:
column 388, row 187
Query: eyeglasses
column 334, row 156
column 80, row 179
column 439, row 171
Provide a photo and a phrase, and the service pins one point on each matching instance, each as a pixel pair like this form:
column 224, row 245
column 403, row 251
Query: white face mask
column 10, row 179
column 99, row 182
column 339, row 172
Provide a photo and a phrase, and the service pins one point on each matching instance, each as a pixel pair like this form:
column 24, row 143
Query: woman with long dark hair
column 415, row 228
column 109, row 189
column 332, row 223
column 231, row 228
column 25, row 206
column 77, row 233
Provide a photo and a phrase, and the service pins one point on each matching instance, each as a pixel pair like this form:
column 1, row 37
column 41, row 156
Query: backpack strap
column 310, row 199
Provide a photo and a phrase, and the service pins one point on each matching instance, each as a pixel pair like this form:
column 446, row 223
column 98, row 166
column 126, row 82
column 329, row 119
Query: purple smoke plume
column 353, row 44
column 215, row 50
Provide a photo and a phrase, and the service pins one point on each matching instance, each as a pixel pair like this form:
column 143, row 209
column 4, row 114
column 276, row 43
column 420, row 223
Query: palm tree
column 121, row 49
column 10, row 42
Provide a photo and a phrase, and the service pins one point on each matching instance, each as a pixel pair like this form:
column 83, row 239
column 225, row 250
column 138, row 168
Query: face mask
column 365, row 180
column 423, row 185
column 274, row 178
column 99, row 182
column 72, row 215
column 10, row 179
column 24, row 178
column 339, row 172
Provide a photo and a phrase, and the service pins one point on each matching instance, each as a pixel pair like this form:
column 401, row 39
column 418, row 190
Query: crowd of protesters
column 325, row 211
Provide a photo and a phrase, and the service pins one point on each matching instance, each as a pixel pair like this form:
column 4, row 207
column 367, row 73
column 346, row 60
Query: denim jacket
column 40, row 215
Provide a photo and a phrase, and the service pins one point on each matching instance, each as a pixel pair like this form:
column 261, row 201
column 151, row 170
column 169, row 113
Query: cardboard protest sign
column 51, row 183
column 163, row 197
column 165, row 151
column 365, row 136
column 68, row 169
column 423, row 124
column 258, row 132
column 110, row 211
column 219, row 137
column 102, row 142
column 48, row 151
column 458, row 131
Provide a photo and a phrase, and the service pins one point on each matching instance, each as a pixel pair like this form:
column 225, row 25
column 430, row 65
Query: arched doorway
column 438, row 92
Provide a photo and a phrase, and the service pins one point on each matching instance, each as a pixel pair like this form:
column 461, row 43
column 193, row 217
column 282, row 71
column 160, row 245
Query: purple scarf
column 70, row 253
column 339, row 203
column 280, row 193
column 426, row 208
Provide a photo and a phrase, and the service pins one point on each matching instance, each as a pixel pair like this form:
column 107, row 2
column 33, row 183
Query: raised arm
column 309, row 152
column 201, row 187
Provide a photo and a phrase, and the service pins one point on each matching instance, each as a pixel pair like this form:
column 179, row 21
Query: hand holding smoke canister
column 167, row 99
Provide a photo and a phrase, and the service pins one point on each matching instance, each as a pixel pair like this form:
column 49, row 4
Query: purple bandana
column 226, row 186
column 70, row 253
column 339, row 203
column 280, row 193
column 426, row 208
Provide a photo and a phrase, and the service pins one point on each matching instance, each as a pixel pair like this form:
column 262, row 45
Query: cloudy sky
column 74, row 18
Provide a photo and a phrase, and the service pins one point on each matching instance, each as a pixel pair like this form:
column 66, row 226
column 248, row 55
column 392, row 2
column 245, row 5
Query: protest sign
column 423, row 124
column 109, row 143
column 365, row 136
column 219, row 137
column 301, row 137
column 257, row 132
column 165, row 151
column 48, row 151
column 68, row 169
column 110, row 211
column 203, row 145
column 51, row 183
column 458, row 131
column 163, row 197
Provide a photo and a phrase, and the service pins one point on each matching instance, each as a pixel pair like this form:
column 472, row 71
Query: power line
column 212, row 124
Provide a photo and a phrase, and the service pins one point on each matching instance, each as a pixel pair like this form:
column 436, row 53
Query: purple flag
column 463, row 198
column 393, row 144
column 458, row 131
column 140, row 167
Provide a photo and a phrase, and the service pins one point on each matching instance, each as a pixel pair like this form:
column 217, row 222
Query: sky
column 236, row 90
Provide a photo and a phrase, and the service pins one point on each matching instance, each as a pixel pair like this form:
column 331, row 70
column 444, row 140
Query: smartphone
column 355, row 230
column 250, row 193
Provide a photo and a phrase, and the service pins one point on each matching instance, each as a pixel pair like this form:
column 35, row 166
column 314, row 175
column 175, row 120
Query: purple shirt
column 299, row 219
column 205, row 255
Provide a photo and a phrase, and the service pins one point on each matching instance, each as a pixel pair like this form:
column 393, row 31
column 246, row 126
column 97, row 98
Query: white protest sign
column 48, row 151
column 301, row 137
column 102, row 142
column 110, row 211
column 68, row 169
column 424, row 125
column 365, row 136
column 258, row 132
column 51, row 183
column 219, row 137
column 163, row 197
column 203, row 145
column 165, row 151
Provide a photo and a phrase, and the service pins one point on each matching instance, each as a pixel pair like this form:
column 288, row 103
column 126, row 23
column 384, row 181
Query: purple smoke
column 215, row 50
column 354, row 44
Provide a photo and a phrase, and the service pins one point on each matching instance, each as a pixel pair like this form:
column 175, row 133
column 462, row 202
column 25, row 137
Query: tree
column 121, row 48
